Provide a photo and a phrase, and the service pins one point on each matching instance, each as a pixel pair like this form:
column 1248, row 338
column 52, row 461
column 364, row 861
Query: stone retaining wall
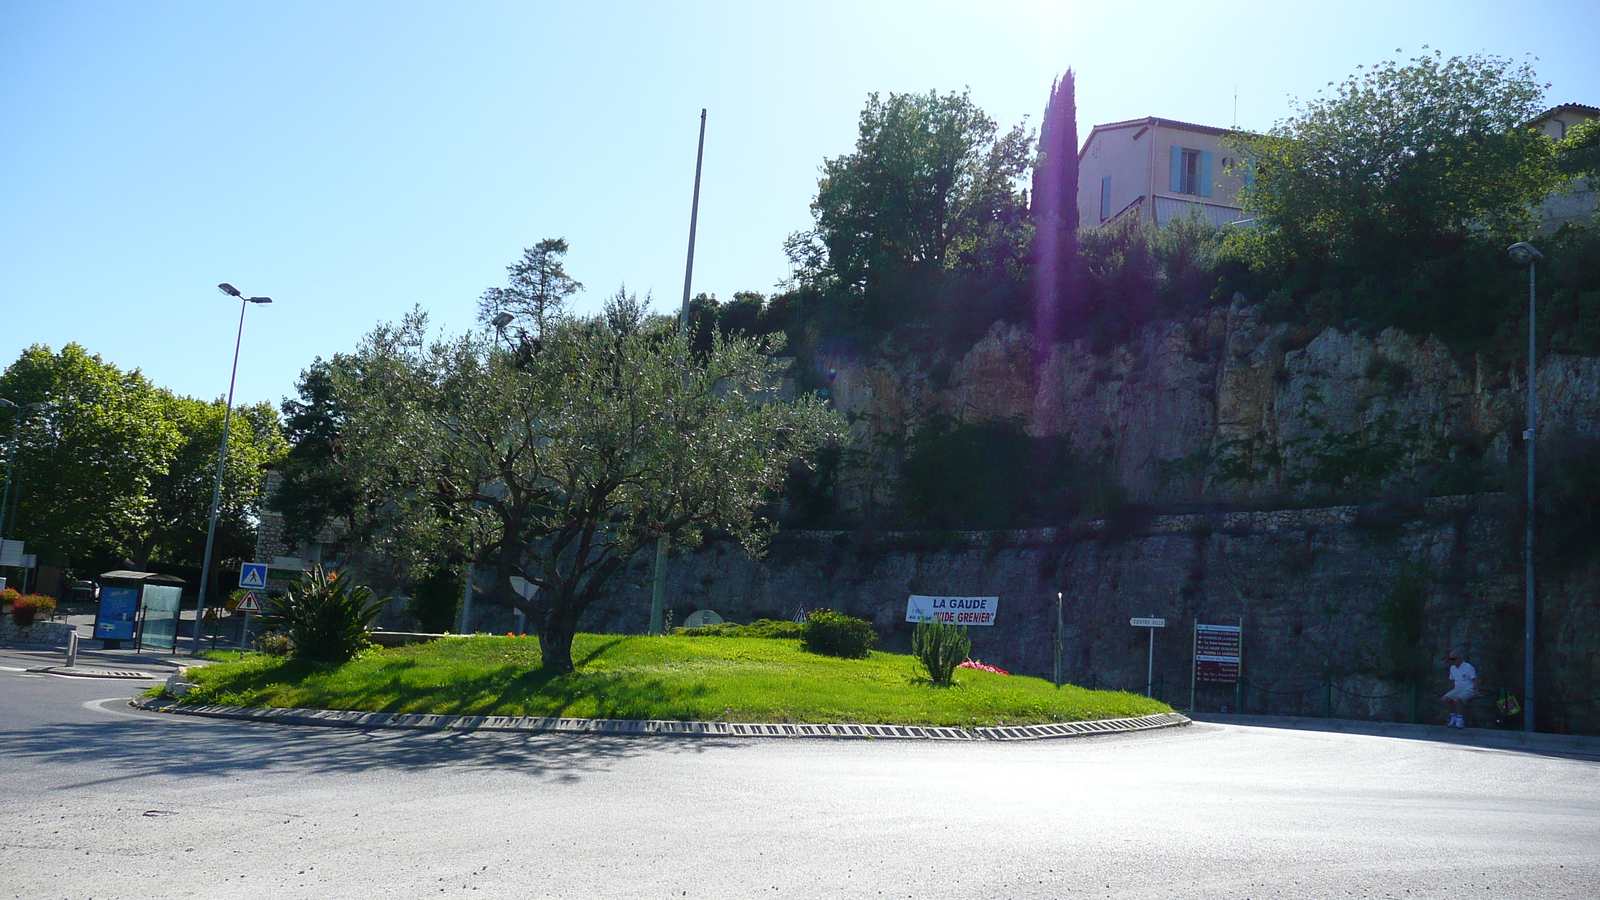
column 1309, row 585
column 37, row 633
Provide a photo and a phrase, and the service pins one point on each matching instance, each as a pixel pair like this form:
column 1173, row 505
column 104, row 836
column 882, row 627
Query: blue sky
column 352, row 160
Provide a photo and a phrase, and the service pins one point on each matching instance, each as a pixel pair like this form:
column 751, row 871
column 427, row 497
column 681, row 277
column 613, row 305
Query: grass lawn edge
column 639, row 678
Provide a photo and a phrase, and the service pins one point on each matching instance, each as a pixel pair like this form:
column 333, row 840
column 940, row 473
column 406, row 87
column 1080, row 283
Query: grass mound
column 732, row 679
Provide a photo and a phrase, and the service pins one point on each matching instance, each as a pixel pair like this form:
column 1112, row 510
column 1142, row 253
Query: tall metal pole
column 1528, row 719
column 1150, row 670
column 694, row 219
column 216, row 489
column 658, row 593
column 1058, row 639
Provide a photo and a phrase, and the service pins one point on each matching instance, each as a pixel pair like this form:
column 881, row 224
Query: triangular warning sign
column 249, row 603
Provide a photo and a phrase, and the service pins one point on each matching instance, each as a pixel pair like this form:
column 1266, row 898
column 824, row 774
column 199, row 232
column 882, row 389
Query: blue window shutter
column 1205, row 173
column 1175, row 181
column 1249, row 170
column 1105, row 198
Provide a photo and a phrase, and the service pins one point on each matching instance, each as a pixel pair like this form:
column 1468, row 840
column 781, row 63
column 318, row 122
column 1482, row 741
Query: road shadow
column 122, row 749
column 399, row 682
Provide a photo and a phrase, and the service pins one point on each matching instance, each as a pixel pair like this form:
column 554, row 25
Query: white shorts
column 1462, row 694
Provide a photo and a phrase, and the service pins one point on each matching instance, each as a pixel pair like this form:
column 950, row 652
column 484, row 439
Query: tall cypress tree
column 1057, row 281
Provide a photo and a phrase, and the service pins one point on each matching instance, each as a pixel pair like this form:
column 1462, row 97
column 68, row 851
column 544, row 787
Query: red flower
column 969, row 664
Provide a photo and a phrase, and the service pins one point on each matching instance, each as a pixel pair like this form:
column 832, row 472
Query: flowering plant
column 971, row 664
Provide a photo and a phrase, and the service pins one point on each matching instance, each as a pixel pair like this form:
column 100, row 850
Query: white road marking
column 99, row 707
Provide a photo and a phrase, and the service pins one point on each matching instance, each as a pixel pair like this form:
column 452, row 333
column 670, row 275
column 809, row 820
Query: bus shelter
column 138, row 606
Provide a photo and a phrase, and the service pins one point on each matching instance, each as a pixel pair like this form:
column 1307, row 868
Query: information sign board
column 1216, row 653
column 11, row 553
column 119, row 610
column 952, row 610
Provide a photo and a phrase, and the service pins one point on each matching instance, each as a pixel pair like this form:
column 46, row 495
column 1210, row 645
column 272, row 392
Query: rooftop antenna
column 1236, row 107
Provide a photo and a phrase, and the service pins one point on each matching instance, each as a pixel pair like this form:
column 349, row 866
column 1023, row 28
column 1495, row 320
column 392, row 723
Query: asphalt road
column 99, row 801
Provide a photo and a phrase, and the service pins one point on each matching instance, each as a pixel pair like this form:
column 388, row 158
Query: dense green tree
column 558, row 465
column 111, row 463
column 933, row 187
column 180, row 490
column 85, row 461
column 1397, row 158
column 313, row 490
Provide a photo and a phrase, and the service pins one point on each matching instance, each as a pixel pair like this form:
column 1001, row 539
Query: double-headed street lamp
column 222, row 456
column 1525, row 254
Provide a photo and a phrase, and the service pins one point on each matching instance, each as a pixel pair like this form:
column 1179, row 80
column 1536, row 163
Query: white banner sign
column 952, row 610
column 11, row 553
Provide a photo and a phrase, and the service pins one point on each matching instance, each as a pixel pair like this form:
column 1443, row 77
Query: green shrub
column 273, row 643
column 761, row 628
column 324, row 616
column 940, row 648
column 836, row 634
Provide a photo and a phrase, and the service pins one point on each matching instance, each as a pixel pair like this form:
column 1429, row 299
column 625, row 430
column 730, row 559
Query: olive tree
column 558, row 465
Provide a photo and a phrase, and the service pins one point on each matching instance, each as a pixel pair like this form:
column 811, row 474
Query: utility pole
column 658, row 593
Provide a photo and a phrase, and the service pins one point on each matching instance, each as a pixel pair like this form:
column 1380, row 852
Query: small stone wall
column 38, row 633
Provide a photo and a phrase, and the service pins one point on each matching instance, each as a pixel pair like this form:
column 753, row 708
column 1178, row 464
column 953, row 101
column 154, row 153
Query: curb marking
column 339, row 718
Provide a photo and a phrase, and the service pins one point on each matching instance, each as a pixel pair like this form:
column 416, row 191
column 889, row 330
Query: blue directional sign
column 119, row 610
column 253, row 576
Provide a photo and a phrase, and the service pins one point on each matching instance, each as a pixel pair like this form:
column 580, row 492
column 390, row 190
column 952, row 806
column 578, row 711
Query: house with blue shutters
column 1157, row 169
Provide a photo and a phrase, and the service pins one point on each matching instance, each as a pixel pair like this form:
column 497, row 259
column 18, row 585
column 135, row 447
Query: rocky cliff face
column 1222, row 409
column 1222, row 412
column 1312, row 453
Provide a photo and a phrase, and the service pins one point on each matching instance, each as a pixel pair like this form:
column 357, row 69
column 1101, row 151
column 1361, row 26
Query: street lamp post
column 1525, row 254
column 222, row 456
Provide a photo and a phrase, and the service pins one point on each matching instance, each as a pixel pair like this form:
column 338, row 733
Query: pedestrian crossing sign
column 249, row 603
column 253, row 576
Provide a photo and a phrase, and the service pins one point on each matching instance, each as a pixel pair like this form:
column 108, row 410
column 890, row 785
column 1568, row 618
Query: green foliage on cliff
column 1403, row 615
column 1569, row 502
column 1397, row 157
column 1136, row 273
column 994, row 475
column 1390, row 202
